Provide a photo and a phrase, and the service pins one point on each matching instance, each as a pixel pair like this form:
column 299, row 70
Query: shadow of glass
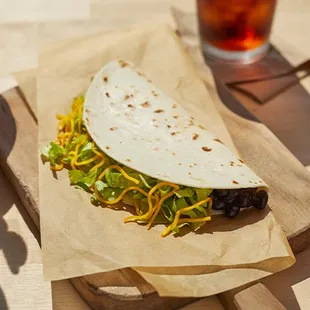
column 282, row 283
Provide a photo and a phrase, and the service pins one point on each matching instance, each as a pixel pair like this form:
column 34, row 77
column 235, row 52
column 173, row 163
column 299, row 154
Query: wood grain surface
column 259, row 297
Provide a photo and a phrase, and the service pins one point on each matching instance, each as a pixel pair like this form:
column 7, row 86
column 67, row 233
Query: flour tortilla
column 136, row 124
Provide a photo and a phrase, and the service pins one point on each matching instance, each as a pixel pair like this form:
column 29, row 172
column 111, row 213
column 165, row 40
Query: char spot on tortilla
column 105, row 79
column 192, row 118
column 241, row 160
column 159, row 111
column 113, row 128
column 235, row 182
column 123, row 63
column 195, row 136
column 149, row 81
column 206, row 149
column 191, row 123
column 201, row 127
column 107, row 94
column 131, row 106
column 146, row 104
column 174, row 106
column 195, row 164
column 218, row 140
column 172, row 133
column 168, row 126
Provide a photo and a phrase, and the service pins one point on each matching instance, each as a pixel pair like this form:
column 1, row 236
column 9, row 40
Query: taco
column 128, row 144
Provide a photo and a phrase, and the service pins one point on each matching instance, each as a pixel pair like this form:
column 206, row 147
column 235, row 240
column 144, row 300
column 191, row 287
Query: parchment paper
column 80, row 239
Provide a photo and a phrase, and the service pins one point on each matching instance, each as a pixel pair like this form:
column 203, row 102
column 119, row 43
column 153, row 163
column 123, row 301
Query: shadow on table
column 283, row 284
column 12, row 245
column 3, row 304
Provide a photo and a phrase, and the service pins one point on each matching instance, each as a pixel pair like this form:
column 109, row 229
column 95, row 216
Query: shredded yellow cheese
column 121, row 171
column 158, row 207
column 178, row 214
column 86, row 162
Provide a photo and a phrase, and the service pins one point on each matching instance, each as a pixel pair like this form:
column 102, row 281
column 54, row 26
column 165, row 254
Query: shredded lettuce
column 55, row 154
column 80, row 177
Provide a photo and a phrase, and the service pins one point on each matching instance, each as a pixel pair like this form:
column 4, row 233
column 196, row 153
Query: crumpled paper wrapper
column 80, row 239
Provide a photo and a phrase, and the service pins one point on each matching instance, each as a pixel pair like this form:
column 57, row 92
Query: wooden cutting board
column 255, row 143
column 112, row 290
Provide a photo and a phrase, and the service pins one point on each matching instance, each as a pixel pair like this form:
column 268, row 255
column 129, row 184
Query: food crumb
column 128, row 160
column 175, row 116
column 174, row 106
column 107, row 94
column 235, row 182
column 172, row 133
column 218, row 140
column 180, row 164
column 123, row 63
column 107, row 147
column 206, row 149
column 173, row 153
column 241, row 160
column 154, row 93
column 159, row 111
column 195, row 164
column 190, row 166
column 105, row 79
column 231, row 163
column 168, row 126
column 130, row 106
column 146, row 104
column 113, row 128
column 201, row 127
column 195, row 136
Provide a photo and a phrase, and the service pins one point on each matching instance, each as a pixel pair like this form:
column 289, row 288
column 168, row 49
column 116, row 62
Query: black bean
column 260, row 200
column 218, row 204
column 231, row 211
column 231, row 195
column 221, row 193
column 244, row 199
